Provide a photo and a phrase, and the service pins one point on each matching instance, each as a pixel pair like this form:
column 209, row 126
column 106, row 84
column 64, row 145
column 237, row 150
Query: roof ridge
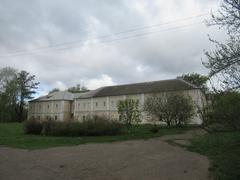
column 144, row 82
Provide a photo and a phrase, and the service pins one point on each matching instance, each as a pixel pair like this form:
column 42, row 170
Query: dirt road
column 141, row 159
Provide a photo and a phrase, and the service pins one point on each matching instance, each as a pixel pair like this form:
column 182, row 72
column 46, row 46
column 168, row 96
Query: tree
column 181, row 108
column 77, row 89
column 26, row 88
column 197, row 79
column 7, row 74
column 54, row 90
column 128, row 111
column 225, row 110
column 157, row 106
column 172, row 109
column 8, row 89
column 224, row 61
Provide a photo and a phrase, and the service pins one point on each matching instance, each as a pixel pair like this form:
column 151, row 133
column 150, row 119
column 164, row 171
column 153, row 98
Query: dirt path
column 141, row 159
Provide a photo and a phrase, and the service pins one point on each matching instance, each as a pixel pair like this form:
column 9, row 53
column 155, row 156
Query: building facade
column 64, row 106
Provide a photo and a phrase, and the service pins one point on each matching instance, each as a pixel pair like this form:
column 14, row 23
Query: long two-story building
column 65, row 106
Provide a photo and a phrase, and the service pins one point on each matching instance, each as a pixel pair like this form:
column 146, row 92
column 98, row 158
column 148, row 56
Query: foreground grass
column 223, row 150
column 12, row 135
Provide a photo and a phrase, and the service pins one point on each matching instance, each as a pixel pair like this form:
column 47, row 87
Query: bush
column 99, row 126
column 96, row 126
column 32, row 126
column 226, row 110
column 154, row 129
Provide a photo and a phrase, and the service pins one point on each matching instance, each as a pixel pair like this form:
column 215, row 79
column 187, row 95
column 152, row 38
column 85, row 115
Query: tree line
column 16, row 87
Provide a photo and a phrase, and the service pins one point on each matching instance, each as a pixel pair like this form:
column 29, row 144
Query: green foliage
column 12, row 135
column 33, row 126
column 77, row 89
column 15, row 89
column 154, row 129
column 172, row 109
column 25, row 89
column 223, row 150
column 197, row 79
column 96, row 126
column 128, row 111
column 225, row 111
column 7, row 94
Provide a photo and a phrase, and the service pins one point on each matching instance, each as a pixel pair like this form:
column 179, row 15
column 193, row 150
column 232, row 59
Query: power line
column 109, row 41
column 100, row 37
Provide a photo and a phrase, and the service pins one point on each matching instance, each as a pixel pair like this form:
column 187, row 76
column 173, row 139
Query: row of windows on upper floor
column 40, row 106
column 96, row 104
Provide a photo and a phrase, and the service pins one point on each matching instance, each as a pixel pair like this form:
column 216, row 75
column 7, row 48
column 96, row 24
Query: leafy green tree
column 7, row 94
column 197, row 79
column 181, row 108
column 224, row 61
column 26, row 87
column 15, row 88
column 225, row 110
column 7, row 74
column 128, row 111
column 173, row 109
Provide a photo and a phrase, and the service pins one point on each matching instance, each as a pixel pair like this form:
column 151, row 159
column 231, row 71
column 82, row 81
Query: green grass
column 223, row 150
column 12, row 135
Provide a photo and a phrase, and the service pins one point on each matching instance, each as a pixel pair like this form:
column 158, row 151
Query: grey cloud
column 31, row 24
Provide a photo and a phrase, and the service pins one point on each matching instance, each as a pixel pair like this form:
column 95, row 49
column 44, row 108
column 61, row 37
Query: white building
column 64, row 106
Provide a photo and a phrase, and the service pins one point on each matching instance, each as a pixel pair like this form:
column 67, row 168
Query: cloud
column 104, row 80
column 94, row 58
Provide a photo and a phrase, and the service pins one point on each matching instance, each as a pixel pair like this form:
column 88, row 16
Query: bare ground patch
column 138, row 159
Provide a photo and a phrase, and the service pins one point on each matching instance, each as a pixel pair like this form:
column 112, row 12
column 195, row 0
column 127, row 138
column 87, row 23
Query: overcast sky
column 104, row 42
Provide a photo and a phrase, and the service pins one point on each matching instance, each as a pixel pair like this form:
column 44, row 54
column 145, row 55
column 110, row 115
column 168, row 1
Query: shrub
column 154, row 129
column 96, row 126
column 32, row 126
column 226, row 110
column 100, row 126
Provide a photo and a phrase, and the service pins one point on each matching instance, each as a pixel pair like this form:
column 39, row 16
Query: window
column 39, row 118
column 104, row 103
column 55, row 117
column 48, row 106
column 83, row 118
column 78, row 105
column 96, row 104
column 56, row 105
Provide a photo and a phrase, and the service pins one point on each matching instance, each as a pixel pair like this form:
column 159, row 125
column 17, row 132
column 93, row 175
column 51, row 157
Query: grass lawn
column 12, row 135
column 223, row 150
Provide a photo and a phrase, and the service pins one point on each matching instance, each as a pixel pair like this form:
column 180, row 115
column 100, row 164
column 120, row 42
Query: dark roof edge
column 190, row 84
column 139, row 83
